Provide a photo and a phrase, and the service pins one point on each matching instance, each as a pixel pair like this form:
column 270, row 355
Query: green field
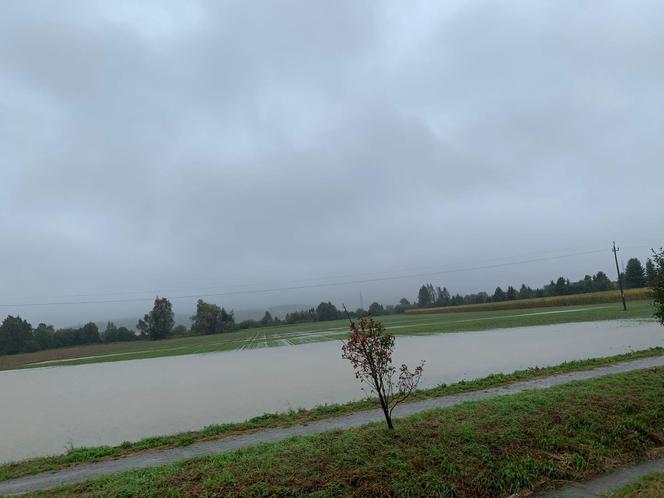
column 496, row 447
column 302, row 333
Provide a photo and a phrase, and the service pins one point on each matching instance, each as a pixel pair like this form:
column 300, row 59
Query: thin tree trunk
column 386, row 411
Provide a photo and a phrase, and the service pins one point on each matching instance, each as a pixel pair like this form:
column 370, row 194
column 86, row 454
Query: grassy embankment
column 77, row 456
column 650, row 486
column 612, row 296
column 418, row 324
column 495, row 447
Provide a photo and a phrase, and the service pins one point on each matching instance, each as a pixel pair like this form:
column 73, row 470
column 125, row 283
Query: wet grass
column 324, row 331
column 77, row 456
column 650, row 486
column 494, row 447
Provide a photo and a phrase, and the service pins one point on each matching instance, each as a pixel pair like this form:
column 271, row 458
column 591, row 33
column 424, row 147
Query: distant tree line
column 18, row 335
column 635, row 276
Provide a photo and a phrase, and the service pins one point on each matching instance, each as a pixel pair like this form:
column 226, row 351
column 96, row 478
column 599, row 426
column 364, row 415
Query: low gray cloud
column 179, row 147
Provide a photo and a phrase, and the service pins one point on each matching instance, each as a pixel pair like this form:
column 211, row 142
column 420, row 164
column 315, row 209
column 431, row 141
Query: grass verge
column 78, row 456
column 650, row 486
column 495, row 447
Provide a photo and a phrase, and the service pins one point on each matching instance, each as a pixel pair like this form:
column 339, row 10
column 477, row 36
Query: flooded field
column 45, row 410
column 305, row 333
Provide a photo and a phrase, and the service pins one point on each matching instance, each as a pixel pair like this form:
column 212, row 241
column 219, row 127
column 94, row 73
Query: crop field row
column 604, row 297
column 303, row 333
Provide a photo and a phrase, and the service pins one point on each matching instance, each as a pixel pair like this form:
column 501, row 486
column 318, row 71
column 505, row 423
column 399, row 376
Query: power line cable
column 311, row 286
column 302, row 280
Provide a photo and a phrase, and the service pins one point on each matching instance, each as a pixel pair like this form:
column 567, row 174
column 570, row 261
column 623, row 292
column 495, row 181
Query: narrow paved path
column 154, row 458
column 605, row 484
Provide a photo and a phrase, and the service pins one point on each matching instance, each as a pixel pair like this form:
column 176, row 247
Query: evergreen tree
column 442, row 296
column 650, row 272
column 561, row 286
column 511, row 294
column 498, row 295
column 423, row 297
column 635, row 275
column 267, row 318
column 456, row 300
column 525, row 292
column 432, row 294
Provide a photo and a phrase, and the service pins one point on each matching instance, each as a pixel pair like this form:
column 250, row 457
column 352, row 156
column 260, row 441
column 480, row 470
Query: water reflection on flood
column 44, row 410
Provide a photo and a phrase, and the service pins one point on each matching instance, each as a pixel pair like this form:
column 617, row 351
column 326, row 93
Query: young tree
column 369, row 349
column 635, row 275
column 658, row 284
column 159, row 322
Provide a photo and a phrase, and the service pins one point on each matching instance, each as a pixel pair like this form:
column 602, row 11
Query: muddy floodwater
column 45, row 410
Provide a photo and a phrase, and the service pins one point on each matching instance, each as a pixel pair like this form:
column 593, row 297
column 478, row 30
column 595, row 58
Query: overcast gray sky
column 188, row 148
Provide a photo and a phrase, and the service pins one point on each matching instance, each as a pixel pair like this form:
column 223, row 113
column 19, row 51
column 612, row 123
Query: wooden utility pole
column 622, row 292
